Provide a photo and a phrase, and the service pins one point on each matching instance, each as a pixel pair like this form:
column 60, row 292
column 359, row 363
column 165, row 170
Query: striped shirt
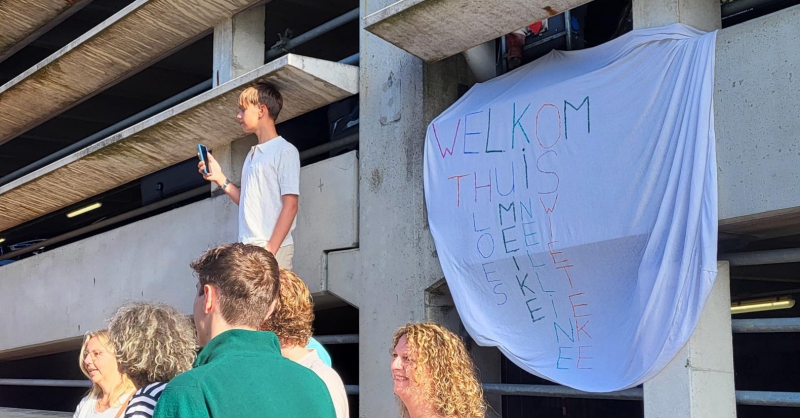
column 144, row 401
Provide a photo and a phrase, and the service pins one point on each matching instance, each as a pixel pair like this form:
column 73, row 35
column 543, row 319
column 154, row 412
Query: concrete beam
column 139, row 34
column 171, row 137
column 757, row 127
column 437, row 29
column 75, row 288
column 26, row 20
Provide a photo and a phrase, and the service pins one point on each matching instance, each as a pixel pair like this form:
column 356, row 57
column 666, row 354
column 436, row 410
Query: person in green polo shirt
column 240, row 371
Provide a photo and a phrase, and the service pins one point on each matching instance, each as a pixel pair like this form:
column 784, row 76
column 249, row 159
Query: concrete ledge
column 25, row 20
column 43, row 349
column 436, row 29
column 756, row 102
column 345, row 276
column 141, row 33
column 31, row 413
column 171, row 137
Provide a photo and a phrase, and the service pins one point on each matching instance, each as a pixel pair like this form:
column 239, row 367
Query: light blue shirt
column 323, row 355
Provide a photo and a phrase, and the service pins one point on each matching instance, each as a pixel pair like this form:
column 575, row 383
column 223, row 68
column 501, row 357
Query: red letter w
column 446, row 150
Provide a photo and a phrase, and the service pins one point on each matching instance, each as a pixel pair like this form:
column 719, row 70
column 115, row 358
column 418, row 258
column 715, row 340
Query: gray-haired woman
column 153, row 344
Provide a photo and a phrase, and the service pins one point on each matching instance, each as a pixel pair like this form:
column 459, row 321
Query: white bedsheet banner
column 573, row 203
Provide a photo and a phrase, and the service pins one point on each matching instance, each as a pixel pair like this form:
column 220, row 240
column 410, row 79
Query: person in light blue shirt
column 323, row 355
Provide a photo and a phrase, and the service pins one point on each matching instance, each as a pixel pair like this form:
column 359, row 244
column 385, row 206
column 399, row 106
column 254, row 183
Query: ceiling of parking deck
column 162, row 80
column 183, row 69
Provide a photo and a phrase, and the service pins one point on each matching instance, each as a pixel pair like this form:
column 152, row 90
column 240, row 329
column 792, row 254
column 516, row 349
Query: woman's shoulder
column 144, row 400
column 153, row 390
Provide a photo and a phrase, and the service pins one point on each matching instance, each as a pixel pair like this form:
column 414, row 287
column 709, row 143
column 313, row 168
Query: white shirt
column 270, row 170
column 332, row 381
column 86, row 410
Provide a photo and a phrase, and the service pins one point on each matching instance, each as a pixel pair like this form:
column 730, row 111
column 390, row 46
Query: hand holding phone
column 202, row 153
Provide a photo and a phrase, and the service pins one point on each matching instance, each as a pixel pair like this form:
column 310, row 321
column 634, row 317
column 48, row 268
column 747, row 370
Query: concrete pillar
column 698, row 382
column 239, row 44
column 399, row 95
column 238, row 49
column 700, row 14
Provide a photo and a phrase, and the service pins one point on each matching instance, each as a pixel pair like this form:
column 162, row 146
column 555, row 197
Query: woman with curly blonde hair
column 111, row 388
column 153, row 343
column 434, row 375
column 291, row 322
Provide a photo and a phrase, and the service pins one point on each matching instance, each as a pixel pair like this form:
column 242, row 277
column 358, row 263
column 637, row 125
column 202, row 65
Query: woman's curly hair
column 294, row 313
column 153, row 342
column 444, row 370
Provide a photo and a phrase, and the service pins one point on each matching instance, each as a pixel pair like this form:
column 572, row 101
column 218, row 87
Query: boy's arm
column 289, row 183
column 181, row 402
column 216, row 175
column 284, row 223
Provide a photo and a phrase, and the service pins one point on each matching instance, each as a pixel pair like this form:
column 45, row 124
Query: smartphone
column 203, row 152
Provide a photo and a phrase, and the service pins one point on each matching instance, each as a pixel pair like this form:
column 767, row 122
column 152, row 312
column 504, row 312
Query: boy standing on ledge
column 270, row 187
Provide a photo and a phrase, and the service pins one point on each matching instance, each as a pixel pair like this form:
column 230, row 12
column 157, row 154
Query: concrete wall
column 63, row 293
column 327, row 218
column 757, row 123
column 73, row 289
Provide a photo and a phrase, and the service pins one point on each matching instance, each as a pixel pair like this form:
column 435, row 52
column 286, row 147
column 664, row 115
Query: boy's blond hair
column 263, row 93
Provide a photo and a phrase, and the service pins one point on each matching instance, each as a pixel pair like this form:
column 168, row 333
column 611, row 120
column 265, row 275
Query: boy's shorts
column 284, row 256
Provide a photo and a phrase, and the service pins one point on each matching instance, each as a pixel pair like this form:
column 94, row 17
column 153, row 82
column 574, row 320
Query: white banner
column 573, row 203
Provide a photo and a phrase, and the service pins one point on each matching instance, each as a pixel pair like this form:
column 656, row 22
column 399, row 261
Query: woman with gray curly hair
column 153, row 343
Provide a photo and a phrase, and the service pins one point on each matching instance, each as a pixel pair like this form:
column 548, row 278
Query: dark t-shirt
column 144, row 401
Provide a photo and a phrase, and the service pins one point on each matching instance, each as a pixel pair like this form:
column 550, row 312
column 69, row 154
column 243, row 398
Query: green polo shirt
column 242, row 374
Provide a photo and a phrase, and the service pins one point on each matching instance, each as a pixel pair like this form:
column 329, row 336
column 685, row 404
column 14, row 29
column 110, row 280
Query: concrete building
column 104, row 102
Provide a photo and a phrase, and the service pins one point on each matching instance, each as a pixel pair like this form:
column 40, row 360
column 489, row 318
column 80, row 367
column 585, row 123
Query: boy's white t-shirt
column 270, row 170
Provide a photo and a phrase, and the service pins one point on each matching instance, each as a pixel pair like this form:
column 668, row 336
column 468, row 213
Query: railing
column 337, row 339
column 753, row 326
column 558, row 391
column 743, row 397
column 284, row 45
column 757, row 258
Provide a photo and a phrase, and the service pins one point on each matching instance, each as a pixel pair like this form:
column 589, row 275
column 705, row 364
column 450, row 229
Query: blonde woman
column 433, row 374
column 111, row 388
column 154, row 343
